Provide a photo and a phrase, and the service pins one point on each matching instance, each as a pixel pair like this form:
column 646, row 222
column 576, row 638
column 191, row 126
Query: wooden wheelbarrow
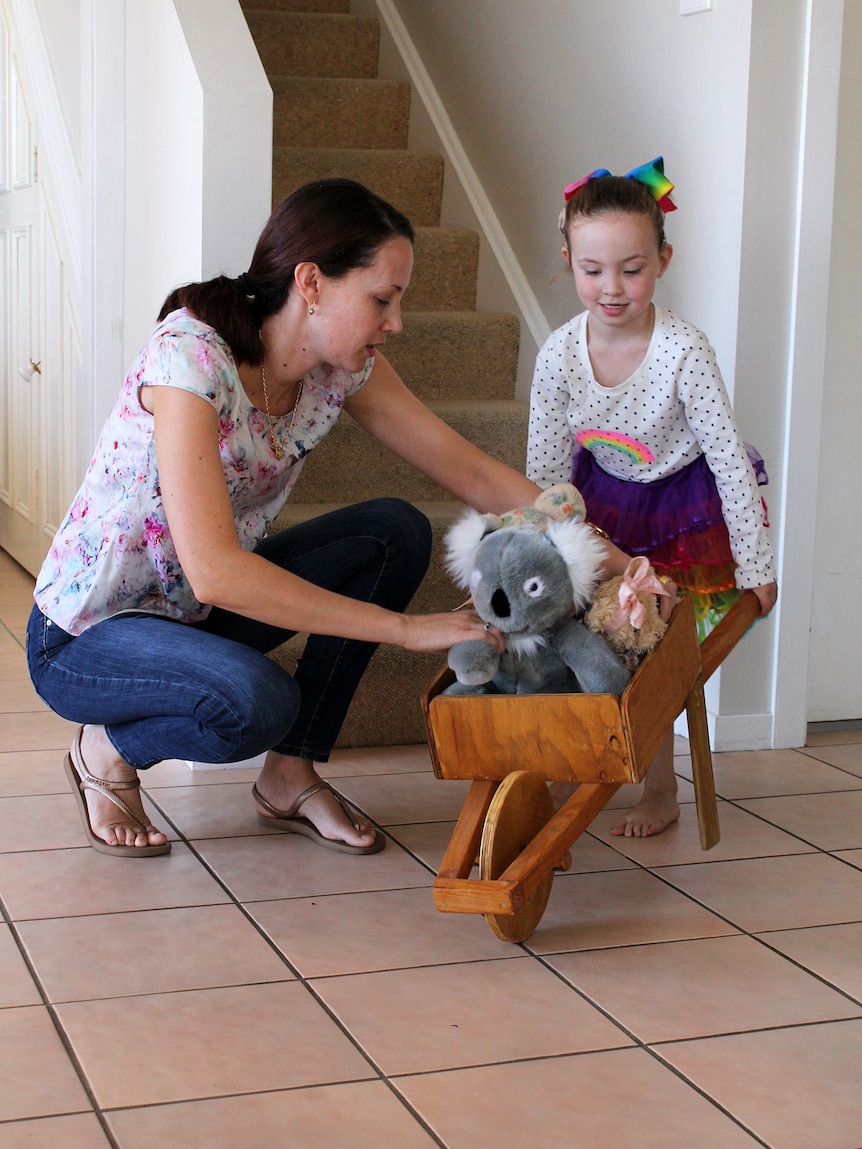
column 511, row 746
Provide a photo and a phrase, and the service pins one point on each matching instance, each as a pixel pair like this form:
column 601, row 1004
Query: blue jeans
column 207, row 692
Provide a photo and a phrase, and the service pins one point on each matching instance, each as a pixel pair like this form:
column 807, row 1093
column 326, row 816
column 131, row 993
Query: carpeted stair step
column 457, row 354
column 333, row 117
column 412, row 181
column 310, row 112
column 348, row 460
column 445, row 267
column 315, row 44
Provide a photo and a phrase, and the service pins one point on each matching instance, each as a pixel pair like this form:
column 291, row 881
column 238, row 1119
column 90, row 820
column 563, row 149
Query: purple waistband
column 641, row 516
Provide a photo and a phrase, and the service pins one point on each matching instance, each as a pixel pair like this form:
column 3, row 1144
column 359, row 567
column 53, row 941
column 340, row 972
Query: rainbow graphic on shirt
column 636, row 452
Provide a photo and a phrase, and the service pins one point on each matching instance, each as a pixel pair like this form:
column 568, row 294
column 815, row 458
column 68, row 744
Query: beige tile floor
column 251, row 990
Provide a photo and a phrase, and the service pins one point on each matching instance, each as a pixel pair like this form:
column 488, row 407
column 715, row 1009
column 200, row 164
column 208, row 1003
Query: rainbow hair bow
column 651, row 174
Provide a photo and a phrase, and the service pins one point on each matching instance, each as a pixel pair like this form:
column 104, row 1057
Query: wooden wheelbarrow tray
column 512, row 745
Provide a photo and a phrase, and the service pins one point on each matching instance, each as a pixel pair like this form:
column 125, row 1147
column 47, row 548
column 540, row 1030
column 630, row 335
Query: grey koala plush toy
column 531, row 573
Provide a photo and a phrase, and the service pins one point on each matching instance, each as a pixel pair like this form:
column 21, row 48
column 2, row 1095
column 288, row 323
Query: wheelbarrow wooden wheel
column 518, row 811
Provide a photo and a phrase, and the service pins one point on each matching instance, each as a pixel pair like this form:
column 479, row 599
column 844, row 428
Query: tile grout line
column 648, row 1049
column 60, row 1031
column 539, row 958
column 741, row 930
column 300, row 978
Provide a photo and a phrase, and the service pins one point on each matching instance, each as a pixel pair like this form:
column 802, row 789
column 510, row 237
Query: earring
column 311, row 309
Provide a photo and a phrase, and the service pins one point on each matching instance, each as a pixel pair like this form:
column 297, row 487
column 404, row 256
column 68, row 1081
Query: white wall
column 61, row 27
column 760, row 362
column 835, row 668
column 198, row 151
column 155, row 153
column 237, row 132
column 542, row 94
column 163, row 166
column 174, row 100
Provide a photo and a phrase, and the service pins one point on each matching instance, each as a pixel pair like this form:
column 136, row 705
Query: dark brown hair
column 336, row 223
column 613, row 194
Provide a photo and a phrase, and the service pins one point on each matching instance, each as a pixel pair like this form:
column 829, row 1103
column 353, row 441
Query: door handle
column 27, row 373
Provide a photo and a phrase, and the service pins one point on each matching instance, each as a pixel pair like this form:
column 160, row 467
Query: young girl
column 628, row 402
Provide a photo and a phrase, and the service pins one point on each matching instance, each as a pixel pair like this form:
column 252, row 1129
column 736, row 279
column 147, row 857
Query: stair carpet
column 333, row 116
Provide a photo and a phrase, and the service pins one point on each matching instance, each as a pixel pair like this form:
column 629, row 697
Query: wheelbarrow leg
column 463, row 846
column 701, row 767
column 713, row 651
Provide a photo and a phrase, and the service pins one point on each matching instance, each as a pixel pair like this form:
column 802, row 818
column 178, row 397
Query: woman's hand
column 767, row 596
column 427, row 632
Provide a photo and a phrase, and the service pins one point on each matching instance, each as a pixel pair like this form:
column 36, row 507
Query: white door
column 835, row 669
column 39, row 340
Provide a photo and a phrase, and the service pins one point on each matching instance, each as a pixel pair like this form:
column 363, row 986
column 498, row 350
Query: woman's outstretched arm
column 222, row 573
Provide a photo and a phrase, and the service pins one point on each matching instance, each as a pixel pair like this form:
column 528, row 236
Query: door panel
column 40, row 349
column 61, row 348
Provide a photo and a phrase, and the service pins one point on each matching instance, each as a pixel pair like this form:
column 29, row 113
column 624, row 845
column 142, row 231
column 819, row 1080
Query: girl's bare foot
column 283, row 779
column 107, row 820
column 652, row 815
column 658, row 807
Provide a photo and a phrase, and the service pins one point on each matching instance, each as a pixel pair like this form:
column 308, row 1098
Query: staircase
column 333, row 116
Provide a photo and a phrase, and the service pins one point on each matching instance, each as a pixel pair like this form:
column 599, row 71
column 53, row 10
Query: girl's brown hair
column 336, row 223
column 606, row 194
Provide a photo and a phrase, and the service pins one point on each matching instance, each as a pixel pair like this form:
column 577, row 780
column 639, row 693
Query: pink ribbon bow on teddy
column 636, row 580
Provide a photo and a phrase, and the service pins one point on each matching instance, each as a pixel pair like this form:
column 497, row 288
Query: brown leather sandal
column 288, row 821
column 82, row 780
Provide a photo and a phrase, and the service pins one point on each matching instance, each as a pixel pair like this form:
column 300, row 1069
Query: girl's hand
column 427, row 632
column 615, row 561
column 666, row 602
column 767, row 596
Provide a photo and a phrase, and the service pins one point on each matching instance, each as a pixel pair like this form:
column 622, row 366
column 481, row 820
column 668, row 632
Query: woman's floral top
column 113, row 551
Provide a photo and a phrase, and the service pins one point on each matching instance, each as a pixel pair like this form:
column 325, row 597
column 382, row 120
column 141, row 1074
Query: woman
column 163, row 591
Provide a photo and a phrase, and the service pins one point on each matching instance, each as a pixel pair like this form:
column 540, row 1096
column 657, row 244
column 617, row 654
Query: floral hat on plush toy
column 560, row 503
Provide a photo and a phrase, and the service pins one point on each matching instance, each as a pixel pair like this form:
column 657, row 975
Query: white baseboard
column 741, row 731
column 734, row 731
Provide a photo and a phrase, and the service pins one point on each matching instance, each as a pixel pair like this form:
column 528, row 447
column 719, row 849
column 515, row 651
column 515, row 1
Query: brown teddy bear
column 625, row 610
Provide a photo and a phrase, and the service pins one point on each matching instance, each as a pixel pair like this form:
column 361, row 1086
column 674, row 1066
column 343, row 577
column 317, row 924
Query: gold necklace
column 277, row 444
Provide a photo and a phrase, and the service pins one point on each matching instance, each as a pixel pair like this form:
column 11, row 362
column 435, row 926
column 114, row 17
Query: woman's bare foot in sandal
column 283, row 779
column 108, row 822
column 658, row 807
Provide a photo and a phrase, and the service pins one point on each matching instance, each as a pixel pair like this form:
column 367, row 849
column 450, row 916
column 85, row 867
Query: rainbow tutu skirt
column 676, row 522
